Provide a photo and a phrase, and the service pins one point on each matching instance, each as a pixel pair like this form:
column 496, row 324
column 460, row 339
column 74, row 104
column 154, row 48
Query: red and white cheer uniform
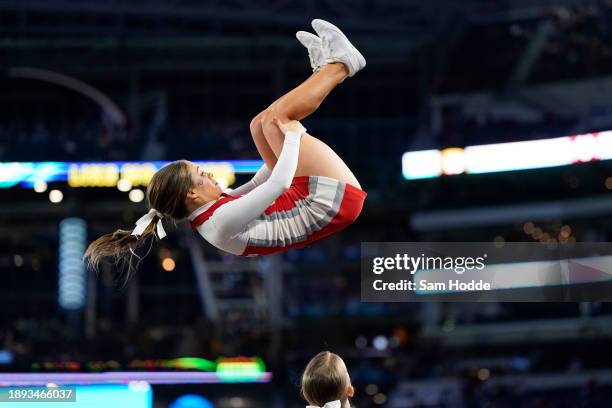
column 276, row 211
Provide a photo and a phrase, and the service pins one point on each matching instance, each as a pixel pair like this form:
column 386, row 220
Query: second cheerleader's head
column 326, row 382
column 174, row 192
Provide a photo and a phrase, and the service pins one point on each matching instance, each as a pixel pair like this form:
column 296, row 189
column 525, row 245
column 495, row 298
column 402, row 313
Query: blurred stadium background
column 108, row 82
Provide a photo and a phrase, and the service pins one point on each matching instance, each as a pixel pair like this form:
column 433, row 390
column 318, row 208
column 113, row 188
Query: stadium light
column 109, row 174
column 168, row 264
column 136, row 195
column 56, row 196
column 40, row 186
column 498, row 157
column 124, row 185
column 72, row 278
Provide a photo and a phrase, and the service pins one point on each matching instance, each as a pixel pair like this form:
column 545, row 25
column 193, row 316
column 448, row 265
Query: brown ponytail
column 167, row 193
column 121, row 246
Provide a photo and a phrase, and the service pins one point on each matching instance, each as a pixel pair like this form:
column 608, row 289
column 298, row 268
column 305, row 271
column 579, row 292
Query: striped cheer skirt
column 313, row 208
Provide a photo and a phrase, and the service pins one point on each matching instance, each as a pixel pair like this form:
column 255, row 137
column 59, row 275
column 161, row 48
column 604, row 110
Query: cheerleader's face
column 204, row 187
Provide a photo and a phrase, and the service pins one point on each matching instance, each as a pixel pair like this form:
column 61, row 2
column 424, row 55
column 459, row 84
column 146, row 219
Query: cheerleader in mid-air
column 303, row 193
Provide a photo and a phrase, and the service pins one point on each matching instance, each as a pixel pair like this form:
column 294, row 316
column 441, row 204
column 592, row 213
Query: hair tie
column 146, row 220
column 331, row 404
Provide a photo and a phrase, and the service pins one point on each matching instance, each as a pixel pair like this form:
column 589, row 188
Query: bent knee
column 256, row 124
column 267, row 118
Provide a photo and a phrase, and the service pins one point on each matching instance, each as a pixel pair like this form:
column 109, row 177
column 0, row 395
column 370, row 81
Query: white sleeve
column 233, row 217
column 260, row 177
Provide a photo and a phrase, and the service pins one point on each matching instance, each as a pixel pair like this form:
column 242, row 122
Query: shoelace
column 313, row 63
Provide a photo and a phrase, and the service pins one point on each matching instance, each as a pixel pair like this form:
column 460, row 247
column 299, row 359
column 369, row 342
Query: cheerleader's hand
column 291, row 126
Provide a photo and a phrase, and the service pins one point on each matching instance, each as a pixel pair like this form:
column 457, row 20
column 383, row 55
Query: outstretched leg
column 304, row 99
column 316, row 158
column 330, row 46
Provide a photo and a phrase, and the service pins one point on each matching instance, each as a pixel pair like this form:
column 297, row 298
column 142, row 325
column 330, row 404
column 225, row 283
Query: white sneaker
column 337, row 48
column 313, row 45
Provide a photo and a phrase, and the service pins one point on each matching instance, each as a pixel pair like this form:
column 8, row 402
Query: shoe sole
column 330, row 26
